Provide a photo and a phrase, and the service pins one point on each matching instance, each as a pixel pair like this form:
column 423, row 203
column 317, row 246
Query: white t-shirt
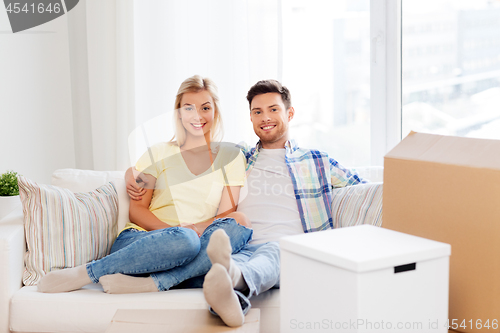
column 268, row 198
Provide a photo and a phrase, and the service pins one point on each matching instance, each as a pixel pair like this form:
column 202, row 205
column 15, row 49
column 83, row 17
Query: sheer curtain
column 235, row 43
column 128, row 58
column 101, row 52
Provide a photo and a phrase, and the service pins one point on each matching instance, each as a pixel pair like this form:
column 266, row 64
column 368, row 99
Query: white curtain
column 101, row 51
column 128, row 58
column 235, row 43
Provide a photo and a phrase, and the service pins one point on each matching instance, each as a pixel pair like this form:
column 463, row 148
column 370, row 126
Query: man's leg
column 219, row 251
column 259, row 265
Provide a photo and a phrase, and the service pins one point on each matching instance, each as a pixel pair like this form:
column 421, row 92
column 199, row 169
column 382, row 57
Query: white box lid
column 364, row 248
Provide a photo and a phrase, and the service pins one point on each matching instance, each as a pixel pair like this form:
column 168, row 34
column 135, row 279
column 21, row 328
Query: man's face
column 270, row 120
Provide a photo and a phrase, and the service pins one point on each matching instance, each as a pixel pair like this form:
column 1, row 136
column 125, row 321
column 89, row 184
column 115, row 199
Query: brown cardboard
column 177, row 321
column 448, row 189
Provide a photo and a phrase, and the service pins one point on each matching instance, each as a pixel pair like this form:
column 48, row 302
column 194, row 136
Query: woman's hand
column 194, row 228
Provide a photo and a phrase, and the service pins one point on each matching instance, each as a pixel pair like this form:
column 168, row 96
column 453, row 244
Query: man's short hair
column 270, row 86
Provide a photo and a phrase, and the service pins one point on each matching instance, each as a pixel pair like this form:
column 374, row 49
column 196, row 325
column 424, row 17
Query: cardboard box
column 178, row 321
column 448, row 189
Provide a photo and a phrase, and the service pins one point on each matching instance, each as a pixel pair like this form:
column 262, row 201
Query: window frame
column 385, row 77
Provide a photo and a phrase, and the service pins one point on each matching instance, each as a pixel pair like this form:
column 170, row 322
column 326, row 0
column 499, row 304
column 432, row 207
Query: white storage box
column 363, row 279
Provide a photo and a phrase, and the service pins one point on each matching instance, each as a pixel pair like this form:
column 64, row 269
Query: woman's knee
column 190, row 241
column 125, row 238
column 183, row 240
column 240, row 219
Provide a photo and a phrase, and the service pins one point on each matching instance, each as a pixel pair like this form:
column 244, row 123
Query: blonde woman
column 189, row 190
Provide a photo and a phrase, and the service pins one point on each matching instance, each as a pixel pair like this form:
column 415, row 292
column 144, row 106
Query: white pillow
column 65, row 229
column 356, row 205
column 86, row 180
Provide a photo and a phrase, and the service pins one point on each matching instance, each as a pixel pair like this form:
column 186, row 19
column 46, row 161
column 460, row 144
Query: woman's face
column 197, row 112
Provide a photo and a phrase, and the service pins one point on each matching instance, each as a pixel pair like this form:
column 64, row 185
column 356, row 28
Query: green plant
column 8, row 184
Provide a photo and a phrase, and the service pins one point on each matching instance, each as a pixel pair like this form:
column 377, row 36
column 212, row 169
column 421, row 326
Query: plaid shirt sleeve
column 343, row 177
column 249, row 154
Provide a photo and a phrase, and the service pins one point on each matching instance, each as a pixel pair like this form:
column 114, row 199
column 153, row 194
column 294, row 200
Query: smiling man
column 288, row 192
column 270, row 117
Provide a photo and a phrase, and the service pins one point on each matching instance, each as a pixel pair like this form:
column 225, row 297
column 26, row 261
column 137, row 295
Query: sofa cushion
column 356, row 205
column 91, row 310
column 65, row 229
column 77, row 180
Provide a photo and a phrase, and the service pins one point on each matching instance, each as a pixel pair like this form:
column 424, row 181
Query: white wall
column 36, row 122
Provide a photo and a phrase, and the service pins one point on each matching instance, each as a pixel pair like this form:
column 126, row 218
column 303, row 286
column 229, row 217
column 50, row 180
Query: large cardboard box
column 448, row 189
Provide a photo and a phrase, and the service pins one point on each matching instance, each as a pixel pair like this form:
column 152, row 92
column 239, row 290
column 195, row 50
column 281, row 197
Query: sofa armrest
column 12, row 249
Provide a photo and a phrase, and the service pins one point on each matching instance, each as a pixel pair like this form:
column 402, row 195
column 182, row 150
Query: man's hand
column 136, row 183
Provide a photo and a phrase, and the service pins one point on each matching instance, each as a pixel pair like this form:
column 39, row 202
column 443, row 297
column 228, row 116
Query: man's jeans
column 260, row 267
column 170, row 256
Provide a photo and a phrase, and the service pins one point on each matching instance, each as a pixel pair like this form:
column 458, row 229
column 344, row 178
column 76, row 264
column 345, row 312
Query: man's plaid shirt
column 313, row 175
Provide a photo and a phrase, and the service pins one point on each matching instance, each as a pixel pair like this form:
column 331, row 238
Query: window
column 326, row 65
column 319, row 49
column 451, row 67
column 362, row 72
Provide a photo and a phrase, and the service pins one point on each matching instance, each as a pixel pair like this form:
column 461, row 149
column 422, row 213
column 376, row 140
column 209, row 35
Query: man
column 289, row 191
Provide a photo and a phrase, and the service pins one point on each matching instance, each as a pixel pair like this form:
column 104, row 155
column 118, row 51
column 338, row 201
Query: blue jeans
column 260, row 266
column 170, row 256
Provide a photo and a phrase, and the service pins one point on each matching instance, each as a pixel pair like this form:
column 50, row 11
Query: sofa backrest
column 356, row 205
column 362, row 205
column 375, row 174
column 77, row 180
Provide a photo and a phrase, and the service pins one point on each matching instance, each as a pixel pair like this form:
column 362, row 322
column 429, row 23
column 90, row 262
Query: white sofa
column 23, row 309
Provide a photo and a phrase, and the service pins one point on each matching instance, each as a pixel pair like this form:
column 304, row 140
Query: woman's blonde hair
column 195, row 84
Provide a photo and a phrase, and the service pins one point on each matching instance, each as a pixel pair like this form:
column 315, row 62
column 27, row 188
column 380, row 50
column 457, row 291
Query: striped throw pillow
column 356, row 205
column 65, row 229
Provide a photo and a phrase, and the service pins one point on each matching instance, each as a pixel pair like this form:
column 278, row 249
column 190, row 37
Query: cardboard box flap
column 178, row 321
column 364, row 248
column 452, row 150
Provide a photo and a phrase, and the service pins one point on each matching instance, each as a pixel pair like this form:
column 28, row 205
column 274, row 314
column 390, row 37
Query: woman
column 191, row 186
